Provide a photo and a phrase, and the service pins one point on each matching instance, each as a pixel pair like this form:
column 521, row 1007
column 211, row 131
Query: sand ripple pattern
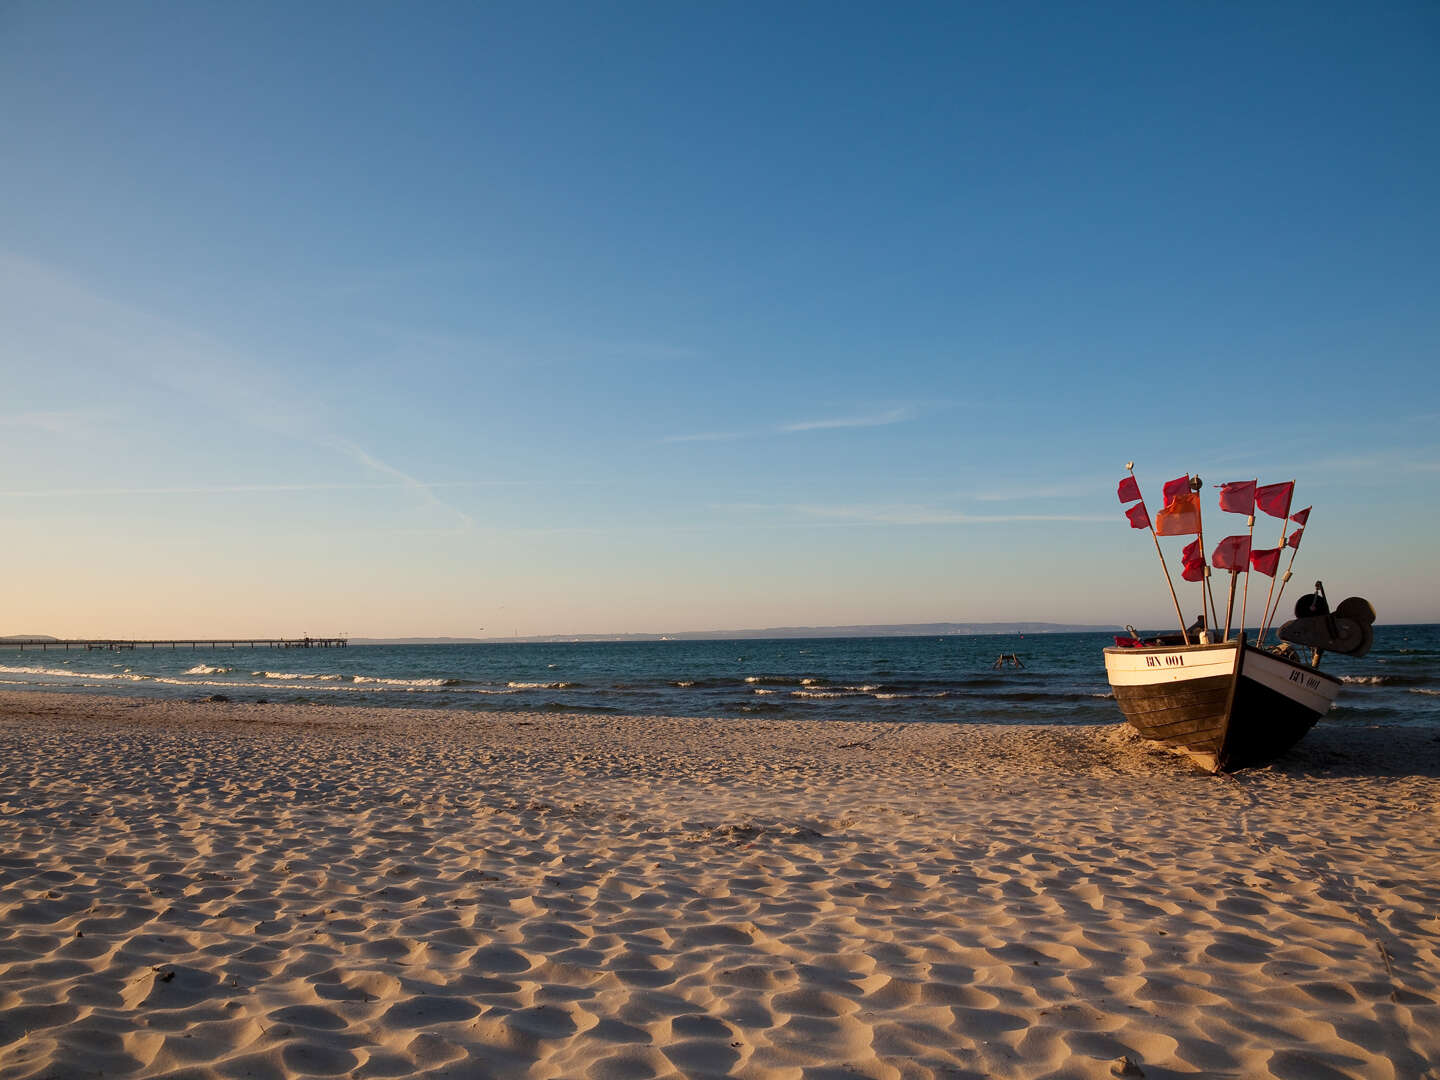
column 220, row 890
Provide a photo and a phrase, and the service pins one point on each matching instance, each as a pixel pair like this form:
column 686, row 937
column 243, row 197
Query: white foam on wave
column 375, row 679
column 684, row 682
column 1371, row 680
column 296, row 675
column 126, row 676
column 761, row 690
column 541, row 685
column 206, row 669
column 1424, row 690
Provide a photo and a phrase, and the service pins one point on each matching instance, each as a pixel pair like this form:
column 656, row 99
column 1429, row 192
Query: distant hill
column 27, row 637
column 947, row 629
column 417, row 640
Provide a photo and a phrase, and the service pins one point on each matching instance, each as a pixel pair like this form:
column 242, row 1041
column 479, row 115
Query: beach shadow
column 1339, row 749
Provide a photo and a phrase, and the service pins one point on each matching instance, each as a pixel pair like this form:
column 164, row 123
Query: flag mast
column 1230, row 604
column 1284, row 532
column 1184, row 634
column 1293, row 552
column 1245, row 596
column 1205, row 588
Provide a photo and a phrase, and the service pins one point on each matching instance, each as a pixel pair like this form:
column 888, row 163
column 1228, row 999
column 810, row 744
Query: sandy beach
column 284, row 891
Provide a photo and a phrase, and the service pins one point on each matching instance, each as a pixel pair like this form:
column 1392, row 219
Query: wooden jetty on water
column 115, row 644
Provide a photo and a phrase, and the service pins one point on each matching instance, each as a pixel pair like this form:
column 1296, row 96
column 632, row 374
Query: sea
column 952, row 679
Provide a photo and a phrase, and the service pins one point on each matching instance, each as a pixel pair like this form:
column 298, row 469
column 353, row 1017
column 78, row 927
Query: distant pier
column 116, row 644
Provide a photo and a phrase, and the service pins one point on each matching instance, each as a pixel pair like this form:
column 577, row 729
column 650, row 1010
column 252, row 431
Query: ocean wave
column 1424, row 690
column 773, row 680
column 296, row 675
column 543, row 685
column 206, row 669
column 762, row 690
column 125, row 676
column 378, row 681
column 1370, row 680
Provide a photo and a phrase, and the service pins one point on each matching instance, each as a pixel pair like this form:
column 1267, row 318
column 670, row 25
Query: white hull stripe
column 1155, row 667
column 1303, row 687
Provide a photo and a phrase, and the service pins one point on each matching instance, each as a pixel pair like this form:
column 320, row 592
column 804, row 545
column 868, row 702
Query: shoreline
column 231, row 889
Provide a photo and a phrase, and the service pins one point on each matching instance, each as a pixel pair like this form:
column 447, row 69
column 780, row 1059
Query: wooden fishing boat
column 1227, row 703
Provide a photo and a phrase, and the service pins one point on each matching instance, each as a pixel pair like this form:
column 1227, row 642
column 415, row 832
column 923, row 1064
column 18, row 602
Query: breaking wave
column 124, row 676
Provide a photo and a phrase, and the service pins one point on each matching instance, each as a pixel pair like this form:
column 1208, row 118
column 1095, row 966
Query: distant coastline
column 946, row 629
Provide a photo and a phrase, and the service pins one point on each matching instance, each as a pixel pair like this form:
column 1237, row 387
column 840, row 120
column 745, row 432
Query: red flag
column 1139, row 516
column 1302, row 516
column 1128, row 490
column 1294, row 540
column 1181, row 516
column 1192, row 562
column 1274, row 499
column 1266, row 561
column 1239, row 497
column 1179, row 486
column 1232, row 553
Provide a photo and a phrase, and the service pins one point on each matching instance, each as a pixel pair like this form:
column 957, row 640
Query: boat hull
column 1228, row 706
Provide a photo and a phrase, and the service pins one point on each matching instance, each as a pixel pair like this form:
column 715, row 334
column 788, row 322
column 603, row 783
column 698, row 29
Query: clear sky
column 474, row 319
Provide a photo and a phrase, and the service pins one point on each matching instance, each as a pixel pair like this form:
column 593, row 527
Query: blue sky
column 544, row 318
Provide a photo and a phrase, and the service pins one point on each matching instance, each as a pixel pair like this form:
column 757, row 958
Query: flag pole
column 1284, row 532
column 1283, row 580
column 1293, row 552
column 1230, row 604
column 1245, row 597
column 1205, row 589
column 1184, row 634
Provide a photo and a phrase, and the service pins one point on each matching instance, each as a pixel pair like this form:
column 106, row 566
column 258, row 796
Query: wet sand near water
column 285, row 891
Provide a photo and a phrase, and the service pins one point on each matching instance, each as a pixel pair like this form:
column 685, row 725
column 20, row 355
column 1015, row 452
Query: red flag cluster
column 1181, row 517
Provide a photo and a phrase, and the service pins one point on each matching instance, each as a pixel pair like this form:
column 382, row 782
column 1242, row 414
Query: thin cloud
column 705, row 436
column 890, row 416
column 867, row 514
column 418, row 486
column 54, row 421
column 234, row 489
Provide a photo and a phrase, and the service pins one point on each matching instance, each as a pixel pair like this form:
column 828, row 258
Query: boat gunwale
column 1308, row 669
column 1140, row 650
column 1137, row 650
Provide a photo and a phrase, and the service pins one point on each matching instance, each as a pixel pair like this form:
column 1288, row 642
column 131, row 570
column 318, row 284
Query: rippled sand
column 236, row 890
